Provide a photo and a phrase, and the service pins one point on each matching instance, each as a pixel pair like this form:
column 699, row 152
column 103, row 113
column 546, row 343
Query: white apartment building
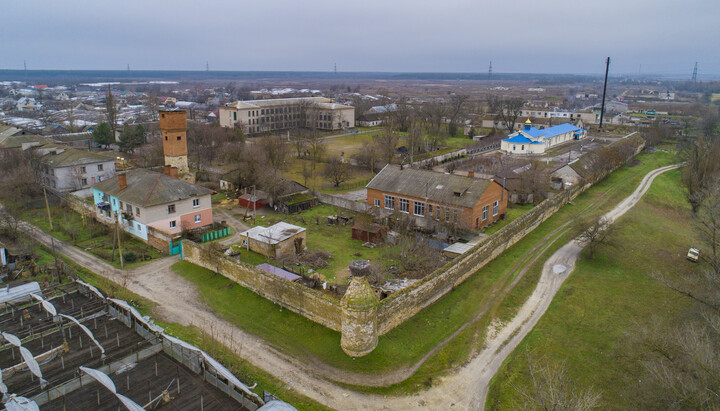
column 257, row 116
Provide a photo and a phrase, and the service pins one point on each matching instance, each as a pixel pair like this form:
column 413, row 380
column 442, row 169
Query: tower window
column 179, row 138
column 165, row 138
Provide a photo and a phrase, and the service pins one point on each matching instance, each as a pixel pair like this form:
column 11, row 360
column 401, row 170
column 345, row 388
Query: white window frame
column 485, row 211
column 197, row 218
column 496, row 207
column 377, row 203
column 196, row 202
column 419, row 206
column 404, row 205
column 391, row 201
column 173, row 224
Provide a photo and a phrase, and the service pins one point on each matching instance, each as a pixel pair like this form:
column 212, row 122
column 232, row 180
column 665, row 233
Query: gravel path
column 464, row 389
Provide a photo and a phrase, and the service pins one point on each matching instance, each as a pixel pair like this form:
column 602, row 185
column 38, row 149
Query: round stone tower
column 359, row 318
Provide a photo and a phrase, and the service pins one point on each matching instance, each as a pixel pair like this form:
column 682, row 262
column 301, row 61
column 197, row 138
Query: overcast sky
column 526, row 36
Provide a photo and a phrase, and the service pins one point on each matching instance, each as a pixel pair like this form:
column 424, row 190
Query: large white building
column 534, row 141
column 257, row 116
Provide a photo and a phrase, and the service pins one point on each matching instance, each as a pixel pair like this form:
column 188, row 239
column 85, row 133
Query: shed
column 372, row 232
column 251, row 202
column 274, row 241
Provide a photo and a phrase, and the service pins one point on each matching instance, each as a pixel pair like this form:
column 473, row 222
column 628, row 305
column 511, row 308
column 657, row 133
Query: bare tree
column 387, row 142
column 551, row 388
column 111, row 112
column 592, row 233
column 456, row 112
column 507, row 109
column 337, row 171
column 702, row 159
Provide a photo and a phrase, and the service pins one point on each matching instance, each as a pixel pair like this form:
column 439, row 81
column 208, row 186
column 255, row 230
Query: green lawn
column 335, row 239
column 513, row 211
column 407, row 343
column 90, row 236
column 608, row 297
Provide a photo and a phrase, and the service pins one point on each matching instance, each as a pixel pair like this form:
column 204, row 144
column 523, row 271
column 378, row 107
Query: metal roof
column 278, row 271
column 445, row 188
column 148, row 188
column 273, row 234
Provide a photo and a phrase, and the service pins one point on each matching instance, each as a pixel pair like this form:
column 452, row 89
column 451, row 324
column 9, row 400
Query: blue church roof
column 518, row 139
column 560, row 129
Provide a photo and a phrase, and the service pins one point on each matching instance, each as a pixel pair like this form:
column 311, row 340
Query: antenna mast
column 490, row 71
column 207, row 66
column 694, row 77
column 335, row 68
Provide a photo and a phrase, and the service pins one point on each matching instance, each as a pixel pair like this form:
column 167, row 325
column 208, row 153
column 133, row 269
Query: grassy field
column 608, row 297
column 90, row 236
column 335, row 239
column 436, row 323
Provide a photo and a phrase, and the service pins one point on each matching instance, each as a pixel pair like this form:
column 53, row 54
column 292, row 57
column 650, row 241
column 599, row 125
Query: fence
column 214, row 235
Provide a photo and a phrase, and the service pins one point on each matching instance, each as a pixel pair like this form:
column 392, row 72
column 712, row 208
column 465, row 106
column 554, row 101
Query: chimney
column 173, row 172
column 166, row 170
column 122, row 181
column 471, row 174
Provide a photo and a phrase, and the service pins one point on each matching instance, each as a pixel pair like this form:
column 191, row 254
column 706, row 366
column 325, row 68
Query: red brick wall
column 187, row 221
column 467, row 217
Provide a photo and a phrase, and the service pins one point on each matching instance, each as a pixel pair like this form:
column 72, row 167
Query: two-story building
column 67, row 169
column 461, row 201
column 143, row 201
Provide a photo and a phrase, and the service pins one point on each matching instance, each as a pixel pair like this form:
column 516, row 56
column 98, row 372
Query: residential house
column 142, row 200
column 67, row 169
column 464, row 202
column 531, row 140
column 274, row 241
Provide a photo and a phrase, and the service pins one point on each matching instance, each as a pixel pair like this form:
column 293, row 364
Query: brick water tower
column 173, row 128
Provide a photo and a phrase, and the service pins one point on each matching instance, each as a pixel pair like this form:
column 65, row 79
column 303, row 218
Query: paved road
column 464, row 389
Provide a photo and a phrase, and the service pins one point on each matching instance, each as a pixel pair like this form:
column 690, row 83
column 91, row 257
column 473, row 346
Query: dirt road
column 464, row 389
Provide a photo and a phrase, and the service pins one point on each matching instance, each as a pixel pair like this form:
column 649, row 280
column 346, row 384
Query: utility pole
column 47, row 206
column 602, row 107
column 694, row 76
column 335, row 68
column 117, row 230
column 207, row 66
column 490, row 71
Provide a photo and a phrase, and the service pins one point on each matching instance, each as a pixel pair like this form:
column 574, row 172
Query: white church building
column 535, row 141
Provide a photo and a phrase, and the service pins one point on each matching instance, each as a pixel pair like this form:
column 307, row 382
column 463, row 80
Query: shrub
column 130, row 257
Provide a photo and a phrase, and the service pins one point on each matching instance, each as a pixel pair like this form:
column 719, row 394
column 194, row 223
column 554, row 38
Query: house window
column 82, row 170
column 447, row 215
column 121, row 205
column 100, row 167
column 171, row 208
column 196, row 202
column 514, row 147
column 128, row 207
column 437, row 213
column 197, row 218
column 419, row 209
column 83, row 181
column 377, row 203
column 455, row 216
column 495, row 208
column 172, row 224
column 390, row 202
column 485, row 213
column 137, row 211
column 404, row 205
column 137, row 227
column 522, row 147
column 430, row 210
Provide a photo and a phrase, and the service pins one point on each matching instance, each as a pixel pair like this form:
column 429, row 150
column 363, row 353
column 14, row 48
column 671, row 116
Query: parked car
column 693, row 254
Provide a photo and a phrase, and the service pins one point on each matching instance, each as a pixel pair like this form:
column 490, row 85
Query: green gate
column 176, row 248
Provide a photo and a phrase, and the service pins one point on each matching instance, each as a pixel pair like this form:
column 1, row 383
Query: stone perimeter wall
column 311, row 304
column 400, row 306
column 379, row 318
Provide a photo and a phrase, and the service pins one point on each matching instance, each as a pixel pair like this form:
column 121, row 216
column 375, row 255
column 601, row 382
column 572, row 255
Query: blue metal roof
column 518, row 139
column 560, row 129
column 535, row 133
